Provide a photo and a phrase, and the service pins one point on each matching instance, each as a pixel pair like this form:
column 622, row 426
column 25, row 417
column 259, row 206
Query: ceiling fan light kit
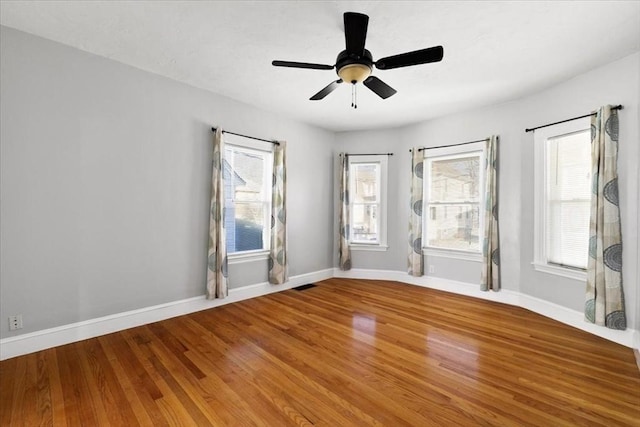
column 354, row 73
column 355, row 63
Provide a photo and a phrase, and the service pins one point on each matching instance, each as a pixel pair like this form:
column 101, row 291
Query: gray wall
column 105, row 181
column 379, row 141
column 105, row 172
column 615, row 83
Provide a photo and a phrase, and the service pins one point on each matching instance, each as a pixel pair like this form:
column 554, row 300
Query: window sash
column 455, row 222
column 562, row 246
column 376, row 225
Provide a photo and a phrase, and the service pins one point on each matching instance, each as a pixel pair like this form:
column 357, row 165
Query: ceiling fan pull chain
column 354, row 96
column 351, row 96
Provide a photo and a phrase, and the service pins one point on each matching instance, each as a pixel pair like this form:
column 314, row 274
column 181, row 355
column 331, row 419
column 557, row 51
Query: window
column 453, row 193
column 367, row 189
column 247, row 173
column 563, row 198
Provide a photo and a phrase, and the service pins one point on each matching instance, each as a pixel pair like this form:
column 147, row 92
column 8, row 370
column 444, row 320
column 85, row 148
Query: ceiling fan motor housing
column 354, row 68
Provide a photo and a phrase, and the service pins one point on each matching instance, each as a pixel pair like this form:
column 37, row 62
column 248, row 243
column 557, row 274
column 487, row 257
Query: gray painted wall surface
column 105, row 185
column 615, row 83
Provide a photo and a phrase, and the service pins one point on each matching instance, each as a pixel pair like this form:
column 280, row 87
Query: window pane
column 453, row 227
column 245, row 226
column 568, row 199
column 455, row 180
column 364, row 227
column 364, row 178
column 248, row 173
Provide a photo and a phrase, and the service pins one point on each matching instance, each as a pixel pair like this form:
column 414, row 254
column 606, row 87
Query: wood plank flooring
column 345, row 353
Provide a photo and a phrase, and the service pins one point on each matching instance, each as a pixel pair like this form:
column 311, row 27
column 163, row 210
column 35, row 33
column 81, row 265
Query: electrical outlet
column 15, row 322
column 432, row 269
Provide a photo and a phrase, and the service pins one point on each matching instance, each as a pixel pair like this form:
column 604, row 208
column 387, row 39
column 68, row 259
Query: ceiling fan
column 355, row 63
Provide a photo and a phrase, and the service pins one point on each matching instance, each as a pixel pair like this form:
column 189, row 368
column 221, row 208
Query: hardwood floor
column 347, row 352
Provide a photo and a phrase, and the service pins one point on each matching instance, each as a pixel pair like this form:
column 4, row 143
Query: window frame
column 250, row 146
column 452, row 152
column 541, row 195
column 381, row 244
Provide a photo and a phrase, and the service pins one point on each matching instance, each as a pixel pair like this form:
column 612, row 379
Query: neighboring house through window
column 368, row 205
column 562, row 198
column 247, row 171
column 453, row 197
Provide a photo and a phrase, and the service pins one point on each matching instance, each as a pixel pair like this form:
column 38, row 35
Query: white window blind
column 568, row 199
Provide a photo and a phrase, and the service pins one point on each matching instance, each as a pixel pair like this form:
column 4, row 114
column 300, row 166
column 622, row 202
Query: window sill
column 248, row 256
column 560, row 271
column 364, row 247
column 462, row 255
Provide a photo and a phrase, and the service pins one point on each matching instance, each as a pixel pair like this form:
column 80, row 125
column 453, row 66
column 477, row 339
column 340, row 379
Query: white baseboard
column 576, row 319
column 47, row 338
column 462, row 288
column 628, row 337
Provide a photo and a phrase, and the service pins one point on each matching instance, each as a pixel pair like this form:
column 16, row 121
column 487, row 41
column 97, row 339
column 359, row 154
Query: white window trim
column 558, row 270
column 453, row 253
column 240, row 142
column 374, row 247
column 540, row 262
column 443, row 153
column 248, row 256
column 381, row 244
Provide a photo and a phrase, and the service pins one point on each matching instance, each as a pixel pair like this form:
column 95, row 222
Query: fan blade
column 302, row 65
column 380, row 88
column 355, row 32
column 423, row 56
column 326, row 91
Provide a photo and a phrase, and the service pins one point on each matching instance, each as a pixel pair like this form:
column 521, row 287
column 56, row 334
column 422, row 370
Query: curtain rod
column 368, row 154
column 617, row 107
column 247, row 136
column 451, row 145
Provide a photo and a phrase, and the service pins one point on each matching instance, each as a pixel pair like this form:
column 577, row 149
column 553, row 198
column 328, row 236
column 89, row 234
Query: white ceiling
column 494, row 51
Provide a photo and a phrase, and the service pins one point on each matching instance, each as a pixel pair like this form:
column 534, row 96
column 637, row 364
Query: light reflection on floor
column 364, row 328
column 457, row 354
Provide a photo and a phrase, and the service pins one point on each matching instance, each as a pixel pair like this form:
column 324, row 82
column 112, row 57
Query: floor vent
column 303, row 287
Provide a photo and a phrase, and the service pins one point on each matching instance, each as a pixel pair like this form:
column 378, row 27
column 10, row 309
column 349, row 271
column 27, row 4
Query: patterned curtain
column 491, row 245
column 278, row 249
column 217, row 255
column 416, row 260
column 605, row 297
column 344, row 254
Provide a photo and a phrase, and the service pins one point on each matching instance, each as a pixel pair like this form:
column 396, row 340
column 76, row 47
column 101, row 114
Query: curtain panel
column 217, row 280
column 605, row 297
column 415, row 259
column 490, row 279
column 344, row 254
column 278, row 251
